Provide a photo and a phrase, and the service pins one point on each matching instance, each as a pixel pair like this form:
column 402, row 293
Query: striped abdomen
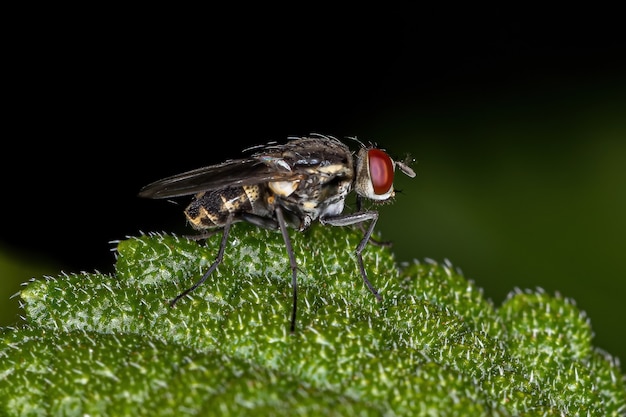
column 211, row 209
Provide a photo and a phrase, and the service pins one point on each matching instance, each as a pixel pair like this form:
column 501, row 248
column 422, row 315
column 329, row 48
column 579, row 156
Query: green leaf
column 111, row 344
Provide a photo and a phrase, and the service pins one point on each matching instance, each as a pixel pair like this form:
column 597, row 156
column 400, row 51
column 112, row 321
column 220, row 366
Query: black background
column 98, row 103
column 101, row 104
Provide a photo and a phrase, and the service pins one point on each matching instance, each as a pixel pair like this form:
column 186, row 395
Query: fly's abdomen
column 211, row 209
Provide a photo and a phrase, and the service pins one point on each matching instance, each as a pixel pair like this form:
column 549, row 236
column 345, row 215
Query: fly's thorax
column 321, row 193
column 211, row 209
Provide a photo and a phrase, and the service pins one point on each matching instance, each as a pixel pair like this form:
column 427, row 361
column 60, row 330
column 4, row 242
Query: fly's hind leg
column 203, row 235
column 214, row 265
column 264, row 222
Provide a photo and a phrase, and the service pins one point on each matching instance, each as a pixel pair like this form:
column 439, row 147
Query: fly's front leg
column 376, row 242
column 358, row 218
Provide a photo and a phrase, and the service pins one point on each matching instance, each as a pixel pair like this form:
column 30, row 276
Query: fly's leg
column 292, row 261
column 279, row 223
column 358, row 218
column 375, row 242
column 263, row 222
column 214, row 265
column 202, row 236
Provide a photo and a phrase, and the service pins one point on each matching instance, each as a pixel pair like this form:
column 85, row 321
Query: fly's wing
column 233, row 173
column 298, row 159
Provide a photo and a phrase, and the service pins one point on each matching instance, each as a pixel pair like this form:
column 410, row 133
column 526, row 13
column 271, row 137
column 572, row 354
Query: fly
column 285, row 185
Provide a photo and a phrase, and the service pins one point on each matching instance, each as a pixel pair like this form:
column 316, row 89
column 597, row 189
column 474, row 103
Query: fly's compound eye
column 381, row 171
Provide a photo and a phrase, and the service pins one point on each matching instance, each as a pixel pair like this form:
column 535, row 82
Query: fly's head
column 375, row 172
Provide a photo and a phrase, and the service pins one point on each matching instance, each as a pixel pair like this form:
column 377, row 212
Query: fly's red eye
column 381, row 170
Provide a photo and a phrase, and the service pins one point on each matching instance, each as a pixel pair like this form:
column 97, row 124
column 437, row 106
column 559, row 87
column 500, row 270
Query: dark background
column 515, row 119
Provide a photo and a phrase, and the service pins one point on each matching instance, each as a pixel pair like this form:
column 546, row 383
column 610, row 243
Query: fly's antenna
column 404, row 166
